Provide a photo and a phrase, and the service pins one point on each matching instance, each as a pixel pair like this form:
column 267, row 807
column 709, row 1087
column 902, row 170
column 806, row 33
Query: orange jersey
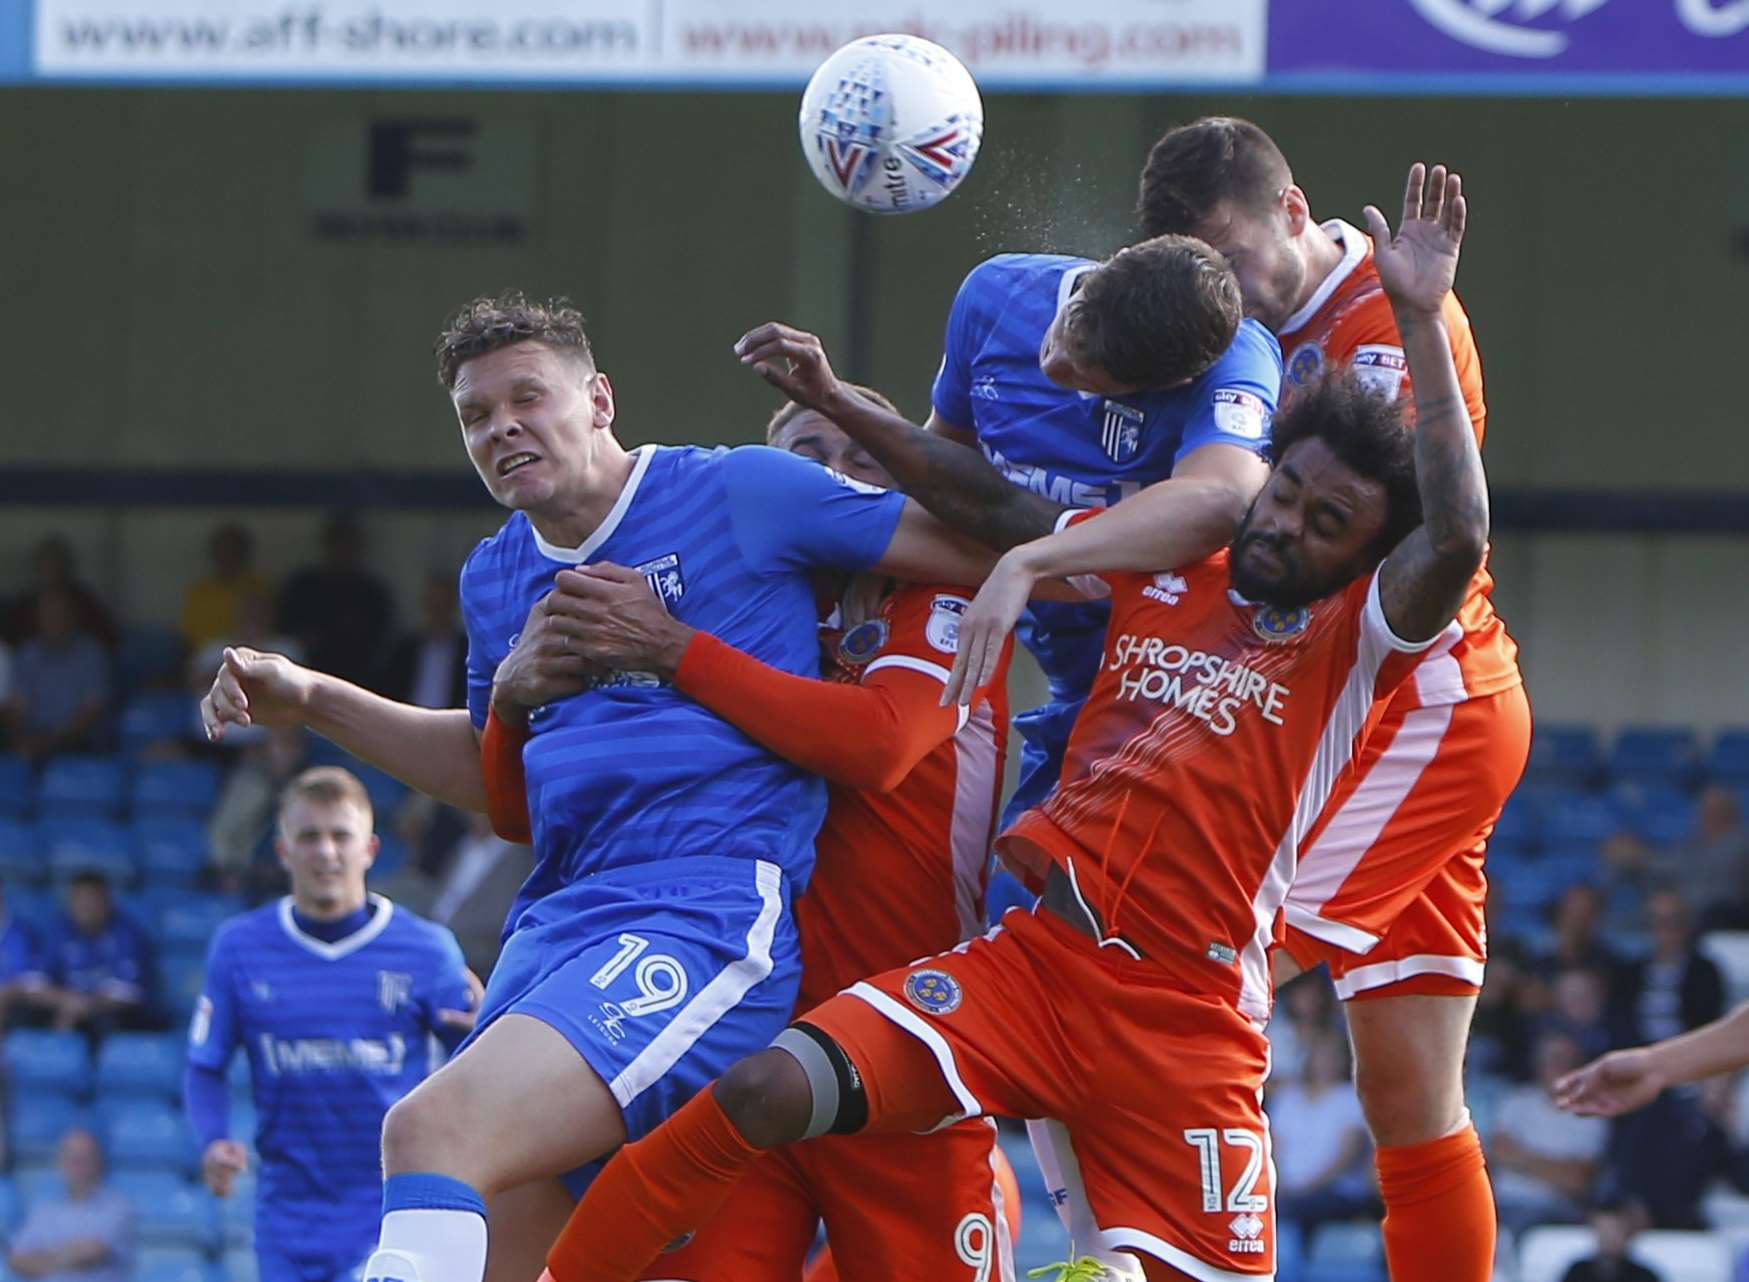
column 1348, row 321
column 1213, row 736
column 901, row 874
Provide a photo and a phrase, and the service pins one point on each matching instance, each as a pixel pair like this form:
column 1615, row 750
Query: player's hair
column 1197, row 166
column 1366, row 431
column 89, row 877
column 494, row 321
column 325, row 786
column 1157, row 313
column 781, row 416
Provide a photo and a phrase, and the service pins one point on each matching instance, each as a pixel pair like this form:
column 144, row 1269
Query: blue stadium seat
column 171, row 852
column 150, row 656
column 149, row 1136
column 192, row 920
column 1346, row 1253
column 179, row 981
column 1564, row 754
column 237, row 1217
column 240, row 1265
column 36, row 1180
column 386, row 792
column 38, row 1121
column 140, row 1064
column 175, row 789
column 1657, row 813
column 87, row 845
column 11, row 1205
column 171, row 1211
column 81, row 787
column 1577, row 818
column 40, row 1060
column 1520, row 822
column 17, row 788
column 171, row 1264
column 155, row 716
column 237, row 1077
column 1655, row 755
column 391, row 857
column 1728, row 762
column 22, row 859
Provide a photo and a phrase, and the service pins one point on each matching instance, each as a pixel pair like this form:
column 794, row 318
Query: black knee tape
column 852, row 1112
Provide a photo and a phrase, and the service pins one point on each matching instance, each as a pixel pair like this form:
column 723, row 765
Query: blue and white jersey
column 21, row 959
column 632, row 772
column 335, row 1033
column 115, row 962
column 1075, row 447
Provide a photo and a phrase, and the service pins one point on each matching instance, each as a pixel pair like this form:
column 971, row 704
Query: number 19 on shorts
column 1242, row 1200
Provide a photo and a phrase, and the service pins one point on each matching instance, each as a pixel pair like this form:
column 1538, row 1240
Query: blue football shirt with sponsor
column 1077, row 448
column 631, row 771
column 335, row 1033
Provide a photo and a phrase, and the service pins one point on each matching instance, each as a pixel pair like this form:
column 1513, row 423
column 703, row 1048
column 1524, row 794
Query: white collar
column 1355, row 248
column 583, row 551
column 346, row 943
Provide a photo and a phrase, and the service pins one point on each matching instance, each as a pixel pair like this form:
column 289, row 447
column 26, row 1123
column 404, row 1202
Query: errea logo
column 1167, row 587
column 1247, row 1231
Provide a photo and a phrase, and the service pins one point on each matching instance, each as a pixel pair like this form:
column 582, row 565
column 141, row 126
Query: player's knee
column 767, row 1098
column 1409, row 1101
column 421, row 1134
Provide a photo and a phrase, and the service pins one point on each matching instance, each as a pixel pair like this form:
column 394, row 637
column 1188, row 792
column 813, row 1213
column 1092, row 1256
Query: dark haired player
column 1129, row 1005
column 652, row 946
column 1083, row 383
column 1390, row 891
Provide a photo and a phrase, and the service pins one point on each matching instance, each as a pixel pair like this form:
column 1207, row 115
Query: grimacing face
column 531, row 419
column 326, row 847
column 1261, row 249
column 813, row 435
column 1311, row 529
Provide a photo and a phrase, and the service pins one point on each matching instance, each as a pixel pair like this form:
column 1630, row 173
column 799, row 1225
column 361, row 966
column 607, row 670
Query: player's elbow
column 1461, row 539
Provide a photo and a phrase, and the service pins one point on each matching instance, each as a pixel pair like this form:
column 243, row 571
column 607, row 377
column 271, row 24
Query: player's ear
column 1297, row 208
column 601, row 400
column 370, row 849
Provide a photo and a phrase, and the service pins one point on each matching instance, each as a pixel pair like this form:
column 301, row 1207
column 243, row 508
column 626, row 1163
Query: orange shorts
column 1159, row 1088
column 895, row 1206
column 1390, row 890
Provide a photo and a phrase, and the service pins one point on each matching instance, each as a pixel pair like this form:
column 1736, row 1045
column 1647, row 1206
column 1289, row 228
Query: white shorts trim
column 1354, row 939
column 711, row 1002
column 1183, row 1261
column 1363, row 978
column 915, row 1025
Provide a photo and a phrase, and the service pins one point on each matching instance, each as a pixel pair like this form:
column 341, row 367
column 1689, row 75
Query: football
column 891, row 124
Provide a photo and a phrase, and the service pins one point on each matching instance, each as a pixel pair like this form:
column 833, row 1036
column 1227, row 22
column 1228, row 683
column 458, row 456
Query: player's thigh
column 488, row 1117
column 761, row 1234
column 1409, row 1063
column 939, row 1212
column 524, row 1223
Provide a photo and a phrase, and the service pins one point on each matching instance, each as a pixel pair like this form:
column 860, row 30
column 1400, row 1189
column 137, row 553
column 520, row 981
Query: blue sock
column 434, row 1230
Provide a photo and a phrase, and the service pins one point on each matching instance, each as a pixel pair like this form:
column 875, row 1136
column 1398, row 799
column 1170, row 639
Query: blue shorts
column 661, row 976
column 276, row 1264
column 1044, row 734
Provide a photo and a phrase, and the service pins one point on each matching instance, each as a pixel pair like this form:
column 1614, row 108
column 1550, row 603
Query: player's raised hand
column 617, row 621
column 544, row 665
column 220, row 1165
column 255, row 687
column 1418, row 265
column 1617, row 1083
column 984, row 629
column 793, row 361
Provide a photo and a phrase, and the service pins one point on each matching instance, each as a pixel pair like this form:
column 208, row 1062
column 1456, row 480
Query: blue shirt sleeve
column 480, row 671
column 790, row 513
column 967, row 327
column 445, row 987
column 1236, row 398
column 213, row 1033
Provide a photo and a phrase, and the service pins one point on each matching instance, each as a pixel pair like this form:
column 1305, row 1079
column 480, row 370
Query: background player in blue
column 652, row 946
column 1082, row 383
column 337, row 997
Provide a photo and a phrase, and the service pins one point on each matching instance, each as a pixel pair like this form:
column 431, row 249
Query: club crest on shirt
column 857, row 646
column 934, row 992
column 394, row 989
column 943, row 628
column 1273, row 623
column 665, row 578
column 1120, row 431
column 1305, row 364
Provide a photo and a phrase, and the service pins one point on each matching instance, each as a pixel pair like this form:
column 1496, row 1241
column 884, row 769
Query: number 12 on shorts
column 1243, row 1197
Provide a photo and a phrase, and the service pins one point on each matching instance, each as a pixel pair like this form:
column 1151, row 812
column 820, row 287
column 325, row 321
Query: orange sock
column 1439, row 1210
column 666, row 1184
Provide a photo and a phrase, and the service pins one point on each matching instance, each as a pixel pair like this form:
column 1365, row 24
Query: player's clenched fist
column 618, row 622
column 544, row 664
column 220, row 1165
column 793, row 361
column 254, row 687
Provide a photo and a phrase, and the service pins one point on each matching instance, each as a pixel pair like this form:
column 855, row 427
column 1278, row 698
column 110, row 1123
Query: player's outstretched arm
column 432, row 750
column 1623, row 1081
column 1426, row 577
column 952, row 480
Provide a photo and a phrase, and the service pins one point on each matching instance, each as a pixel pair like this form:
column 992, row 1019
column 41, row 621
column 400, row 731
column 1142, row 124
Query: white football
column 891, row 124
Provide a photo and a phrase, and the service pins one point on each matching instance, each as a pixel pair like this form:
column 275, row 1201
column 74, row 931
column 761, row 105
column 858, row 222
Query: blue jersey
column 632, row 772
column 114, row 962
column 21, row 959
column 335, row 1033
column 1077, row 448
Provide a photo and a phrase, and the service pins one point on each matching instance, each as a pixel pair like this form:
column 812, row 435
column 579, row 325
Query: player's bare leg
column 517, row 1106
column 524, row 1221
column 1408, row 1061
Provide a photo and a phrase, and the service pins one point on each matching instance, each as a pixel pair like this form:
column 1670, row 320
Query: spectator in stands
column 240, row 828
column 340, row 611
column 1580, row 1010
column 1665, row 1156
column 99, row 963
column 1319, row 1141
column 61, row 688
column 1676, row 988
column 211, row 609
column 86, row 1235
column 52, row 568
column 428, row 667
column 1578, row 920
column 5, row 674
column 1615, row 1224
column 1544, row 1160
column 1501, row 1032
column 254, row 625
column 1306, row 1012
column 1712, row 867
column 22, row 972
